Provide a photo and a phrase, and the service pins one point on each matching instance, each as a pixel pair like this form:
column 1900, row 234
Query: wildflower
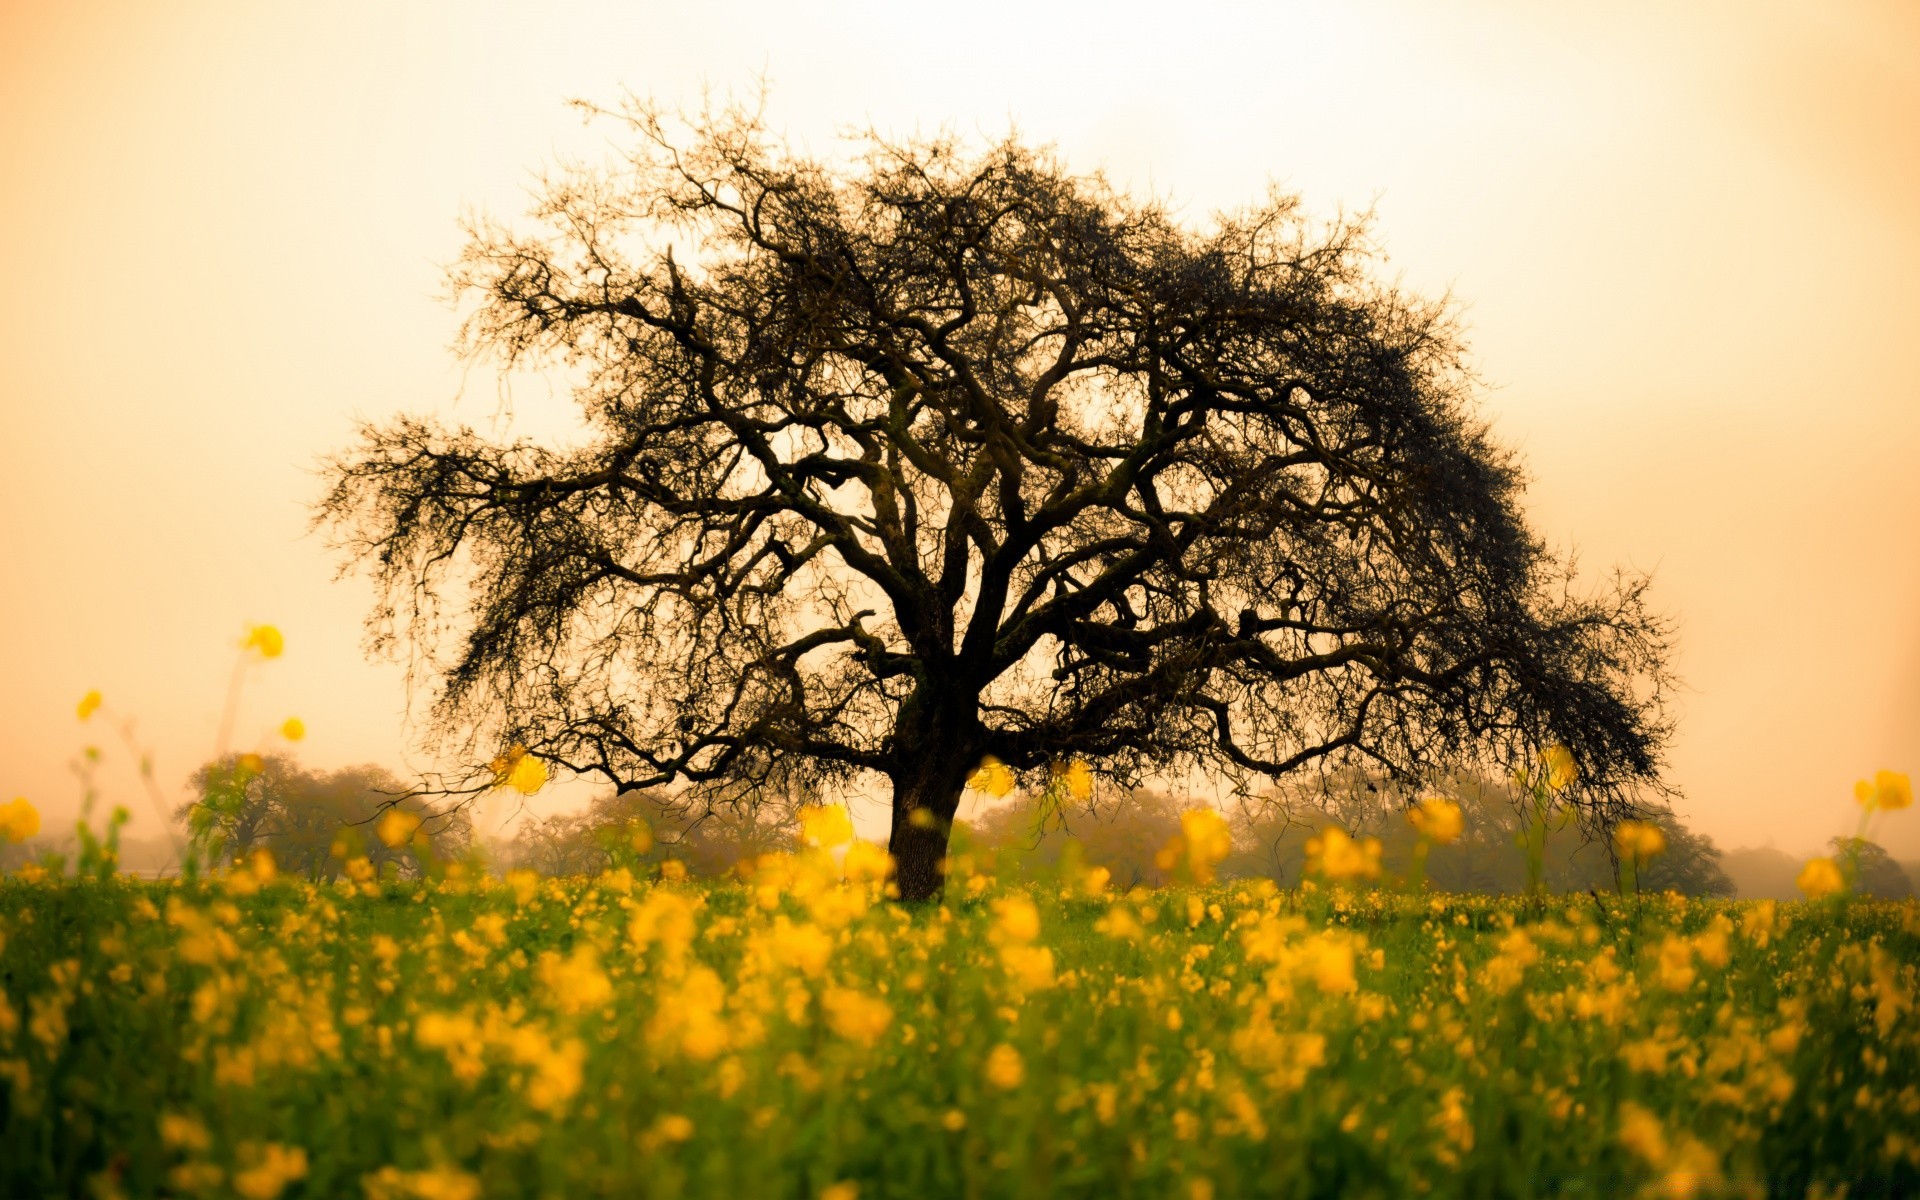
column 575, row 984
column 266, row 641
column 1202, row 842
column 396, row 827
column 1015, row 919
column 1004, row 1068
column 1561, row 770
column 846, row 1189
column 1639, row 839
column 866, row 862
column 1436, row 819
column 639, row 835
column 277, row 1166
column 673, row 1128
column 673, row 871
column 1334, row 855
column 89, row 703
column 826, row 826
column 856, row 1016
column 434, row 1183
column 182, row 1132
column 992, row 776
column 249, row 765
column 1820, row 878
column 1889, row 790
column 1075, row 778
column 19, row 820
column 293, row 729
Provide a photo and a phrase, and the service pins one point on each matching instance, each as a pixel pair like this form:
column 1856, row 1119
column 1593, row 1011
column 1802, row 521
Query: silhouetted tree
column 942, row 456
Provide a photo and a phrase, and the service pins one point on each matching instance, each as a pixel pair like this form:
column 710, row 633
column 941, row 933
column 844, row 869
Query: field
column 797, row 1035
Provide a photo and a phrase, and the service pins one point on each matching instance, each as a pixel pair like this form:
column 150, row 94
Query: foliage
column 794, row 1036
column 944, row 456
column 315, row 823
column 649, row 827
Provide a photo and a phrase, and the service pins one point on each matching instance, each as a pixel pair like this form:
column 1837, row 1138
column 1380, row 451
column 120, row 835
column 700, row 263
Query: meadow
column 795, row 1034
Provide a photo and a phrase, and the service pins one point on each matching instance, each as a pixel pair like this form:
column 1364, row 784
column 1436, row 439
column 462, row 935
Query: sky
column 1684, row 239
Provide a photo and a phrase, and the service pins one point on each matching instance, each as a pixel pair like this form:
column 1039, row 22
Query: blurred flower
column 1639, row 839
column 1437, row 819
column 249, row 765
column 992, row 777
column 1889, row 790
column 1561, row 770
column 1015, row 919
column 266, row 640
column 1076, row 778
column 867, row 863
column 1202, row 842
column 639, row 835
column 1820, row 878
column 846, row 1189
column 826, row 826
column 275, row 1168
column 856, row 1016
column 293, row 729
column 1004, row 1069
column 88, row 704
column 19, row 820
column 434, row 1183
column 396, row 827
column 1334, row 855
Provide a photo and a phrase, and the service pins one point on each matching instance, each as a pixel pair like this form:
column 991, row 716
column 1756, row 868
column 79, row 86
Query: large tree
column 931, row 455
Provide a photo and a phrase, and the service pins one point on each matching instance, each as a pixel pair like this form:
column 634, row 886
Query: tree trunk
column 926, row 794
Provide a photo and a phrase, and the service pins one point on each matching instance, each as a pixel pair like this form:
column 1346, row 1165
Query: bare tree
column 938, row 455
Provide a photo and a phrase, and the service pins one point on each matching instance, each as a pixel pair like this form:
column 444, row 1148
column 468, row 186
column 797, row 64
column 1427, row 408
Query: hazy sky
column 1687, row 239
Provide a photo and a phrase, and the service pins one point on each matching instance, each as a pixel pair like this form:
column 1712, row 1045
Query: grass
column 797, row 1036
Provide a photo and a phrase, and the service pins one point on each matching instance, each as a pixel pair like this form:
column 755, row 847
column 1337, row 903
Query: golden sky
column 1687, row 240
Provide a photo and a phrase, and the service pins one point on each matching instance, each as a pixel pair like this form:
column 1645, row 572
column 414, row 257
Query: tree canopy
column 932, row 455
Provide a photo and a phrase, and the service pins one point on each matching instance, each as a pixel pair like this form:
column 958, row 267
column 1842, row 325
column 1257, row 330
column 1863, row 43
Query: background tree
column 1875, row 873
column 313, row 822
column 938, row 456
column 647, row 826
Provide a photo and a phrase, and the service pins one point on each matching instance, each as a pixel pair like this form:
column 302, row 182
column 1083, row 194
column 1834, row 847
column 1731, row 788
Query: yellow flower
column 277, row 1166
column 397, row 827
column 1892, row 789
column 856, row 1016
column 1561, row 770
column 1004, row 1068
column 266, row 640
column 1437, row 819
column 992, row 777
column 1334, row 855
column 1639, row 839
column 528, row 776
column 1820, row 878
column 19, row 820
column 293, row 729
column 434, row 1183
column 1015, row 919
column 183, row 1132
column 88, row 703
column 846, row 1189
column 1076, row 778
column 826, row 826
column 640, row 835
column 866, row 862
column 249, row 765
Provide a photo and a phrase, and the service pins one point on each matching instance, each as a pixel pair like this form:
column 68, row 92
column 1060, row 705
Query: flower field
column 794, row 1034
